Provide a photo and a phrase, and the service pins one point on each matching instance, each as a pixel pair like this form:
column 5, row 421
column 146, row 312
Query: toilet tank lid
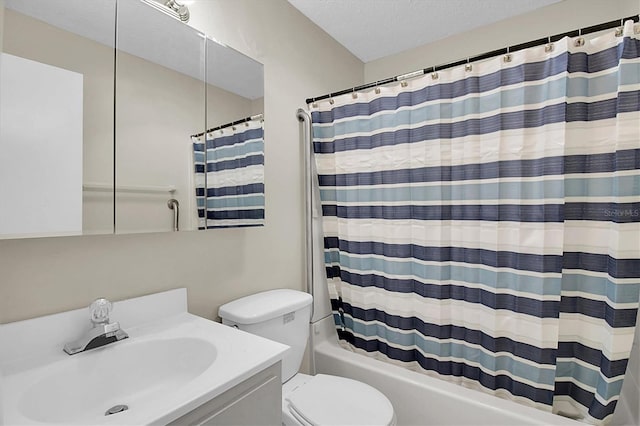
column 264, row 306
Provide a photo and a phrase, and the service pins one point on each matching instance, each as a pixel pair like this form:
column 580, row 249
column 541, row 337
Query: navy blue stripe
column 603, row 212
column 497, row 344
column 628, row 159
column 502, row 212
column 600, row 310
column 252, row 188
column 617, row 268
column 604, row 59
column 631, row 48
column 522, row 305
column 199, row 192
column 235, row 138
column 235, row 214
column 596, row 163
column 602, row 110
column 198, row 147
column 606, row 212
column 237, row 163
column 496, row 259
column 249, row 225
column 199, row 168
column 451, row 368
column 585, row 398
column 594, row 357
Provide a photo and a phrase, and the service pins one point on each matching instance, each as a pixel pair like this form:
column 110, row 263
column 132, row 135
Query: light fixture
column 173, row 8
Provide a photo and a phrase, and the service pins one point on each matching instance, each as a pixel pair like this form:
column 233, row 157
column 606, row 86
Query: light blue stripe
column 589, row 377
column 240, row 201
column 471, row 191
column 537, row 285
column 491, row 362
column 198, row 157
column 621, row 186
column 603, row 84
column 628, row 74
column 600, row 286
column 238, row 150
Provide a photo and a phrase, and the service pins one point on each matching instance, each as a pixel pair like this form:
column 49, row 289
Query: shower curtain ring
column 579, row 42
column 434, row 73
column 508, row 57
column 549, row 46
column 377, row 89
column 468, row 66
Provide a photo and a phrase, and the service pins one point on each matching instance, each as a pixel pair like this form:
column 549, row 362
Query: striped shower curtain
column 229, row 176
column 482, row 224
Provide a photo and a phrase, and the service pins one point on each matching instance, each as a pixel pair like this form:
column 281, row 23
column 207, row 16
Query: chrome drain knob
column 116, row 409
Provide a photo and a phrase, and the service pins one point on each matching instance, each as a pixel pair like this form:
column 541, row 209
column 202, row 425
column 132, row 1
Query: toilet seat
column 332, row 400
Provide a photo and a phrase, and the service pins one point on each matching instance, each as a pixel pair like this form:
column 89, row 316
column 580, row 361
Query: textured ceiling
column 372, row 29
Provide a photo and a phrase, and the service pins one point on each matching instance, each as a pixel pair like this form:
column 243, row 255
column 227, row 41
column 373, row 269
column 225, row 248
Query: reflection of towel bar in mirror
column 103, row 187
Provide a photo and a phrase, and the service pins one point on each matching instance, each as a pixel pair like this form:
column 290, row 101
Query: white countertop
column 238, row 356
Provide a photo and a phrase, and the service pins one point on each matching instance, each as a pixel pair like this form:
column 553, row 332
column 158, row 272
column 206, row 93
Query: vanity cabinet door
column 256, row 401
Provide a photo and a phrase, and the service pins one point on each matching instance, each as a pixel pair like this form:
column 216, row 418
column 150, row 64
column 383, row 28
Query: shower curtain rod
column 487, row 55
column 233, row 123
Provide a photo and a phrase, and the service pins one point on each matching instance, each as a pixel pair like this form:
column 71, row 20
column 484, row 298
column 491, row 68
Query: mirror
column 234, row 142
column 166, row 73
column 56, row 118
column 160, row 102
column 119, row 156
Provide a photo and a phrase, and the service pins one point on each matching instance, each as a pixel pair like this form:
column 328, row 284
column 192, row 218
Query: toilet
column 283, row 315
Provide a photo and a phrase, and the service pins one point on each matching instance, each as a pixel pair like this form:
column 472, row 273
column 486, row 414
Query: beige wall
column 42, row 276
column 557, row 18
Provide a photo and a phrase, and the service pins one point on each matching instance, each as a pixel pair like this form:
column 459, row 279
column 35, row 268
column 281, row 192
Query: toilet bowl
column 283, row 315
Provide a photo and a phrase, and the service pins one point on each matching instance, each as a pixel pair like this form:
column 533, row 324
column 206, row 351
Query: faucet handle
column 100, row 310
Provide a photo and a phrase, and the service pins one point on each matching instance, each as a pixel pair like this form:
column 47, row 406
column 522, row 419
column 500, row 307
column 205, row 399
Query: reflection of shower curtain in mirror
column 229, row 176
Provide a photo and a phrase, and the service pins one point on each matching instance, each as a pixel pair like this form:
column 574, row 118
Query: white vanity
column 174, row 368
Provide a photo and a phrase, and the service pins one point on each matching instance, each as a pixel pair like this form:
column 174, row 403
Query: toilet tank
column 282, row 315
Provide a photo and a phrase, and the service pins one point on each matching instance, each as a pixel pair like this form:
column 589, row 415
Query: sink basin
column 124, row 373
column 172, row 363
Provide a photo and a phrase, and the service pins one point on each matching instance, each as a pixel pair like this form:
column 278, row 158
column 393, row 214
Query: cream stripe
column 531, row 238
column 250, row 174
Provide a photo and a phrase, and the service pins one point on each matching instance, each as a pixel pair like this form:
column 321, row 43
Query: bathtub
column 419, row 399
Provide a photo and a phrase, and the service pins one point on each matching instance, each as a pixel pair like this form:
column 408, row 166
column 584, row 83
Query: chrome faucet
column 102, row 333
